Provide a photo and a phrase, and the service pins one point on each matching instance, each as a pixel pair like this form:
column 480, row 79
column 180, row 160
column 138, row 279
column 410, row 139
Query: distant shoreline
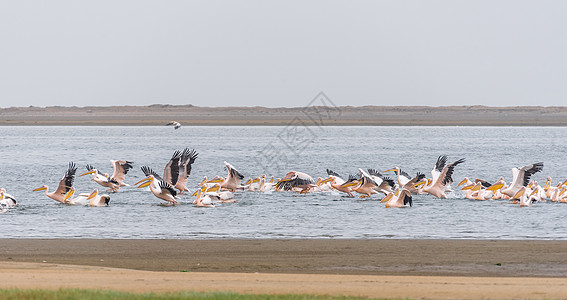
column 189, row 115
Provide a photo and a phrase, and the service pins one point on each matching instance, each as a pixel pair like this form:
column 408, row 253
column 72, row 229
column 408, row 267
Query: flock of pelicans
column 396, row 191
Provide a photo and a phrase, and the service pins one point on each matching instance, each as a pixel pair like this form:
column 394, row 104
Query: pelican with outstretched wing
column 398, row 199
column 295, row 180
column 439, row 185
column 185, row 164
column 158, row 186
column 64, row 186
column 520, row 178
column 233, row 179
column 175, row 124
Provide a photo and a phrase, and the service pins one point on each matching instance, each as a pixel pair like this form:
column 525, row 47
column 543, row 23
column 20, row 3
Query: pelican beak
column 69, row 194
column 388, row 197
column 215, row 180
column 203, row 182
column 92, row 195
column 468, row 187
column 462, row 182
column 89, row 172
column 389, row 170
column 195, row 193
column 519, row 194
column 495, row 187
column 143, row 180
column 327, row 180
column 419, row 183
column 39, row 189
column 350, row 184
column 213, row 189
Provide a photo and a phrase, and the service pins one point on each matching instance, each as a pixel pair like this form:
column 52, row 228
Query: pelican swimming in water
column 233, row 179
column 337, row 183
column 175, row 124
column 64, row 186
column 92, row 199
column 295, row 180
column 385, row 184
column 520, row 177
column 114, row 182
column 398, row 199
column 158, row 186
column 439, row 184
column 7, row 200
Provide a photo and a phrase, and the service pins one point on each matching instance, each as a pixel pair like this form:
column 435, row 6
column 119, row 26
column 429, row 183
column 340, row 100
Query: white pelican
column 365, row 185
column 296, row 180
column 7, row 200
column 64, row 186
column 266, row 187
column 398, row 199
column 233, row 179
column 521, row 177
column 385, row 184
column 175, row 124
column 402, row 177
column 187, row 159
column 337, row 183
column 102, row 179
column 205, row 199
column 225, row 196
column 92, row 199
column 439, row 185
column 158, row 186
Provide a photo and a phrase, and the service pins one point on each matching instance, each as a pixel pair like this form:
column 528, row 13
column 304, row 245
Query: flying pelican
column 398, row 199
column 520, row 177
column 64, row 186
column 296, row 180
column 158, row 186
column 175, row 124
column 439, row 184
column 7, row 200
column 232, row 180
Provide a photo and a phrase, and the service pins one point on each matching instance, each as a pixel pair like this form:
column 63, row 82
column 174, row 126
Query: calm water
column 33, row 156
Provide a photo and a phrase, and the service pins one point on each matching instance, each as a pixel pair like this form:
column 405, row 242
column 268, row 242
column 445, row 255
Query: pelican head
column 463, row 181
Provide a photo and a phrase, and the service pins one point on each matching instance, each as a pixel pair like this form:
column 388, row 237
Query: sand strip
column 494, row 258
column 52, row 276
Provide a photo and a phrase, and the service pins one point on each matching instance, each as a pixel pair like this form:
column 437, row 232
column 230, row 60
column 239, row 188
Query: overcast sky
column 282, row 53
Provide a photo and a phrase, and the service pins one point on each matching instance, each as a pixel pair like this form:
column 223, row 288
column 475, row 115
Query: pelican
column 385, row 184
column 337, row 183
column 225, row 196
column 64, row 186
column 521, row 177
column 232, row 180
column 439, row 184
column 102, row 179
column 204, row 199
column 175, row 124
column 267, row 187
column 398, row 199
column 402, row 177
column 92, row 199
column 365, row 185
column 158, row 186
column 7, row 200
column 296, row 180
column 187, row 159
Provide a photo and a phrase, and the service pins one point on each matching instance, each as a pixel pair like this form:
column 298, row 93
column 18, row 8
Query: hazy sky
column 282, row 53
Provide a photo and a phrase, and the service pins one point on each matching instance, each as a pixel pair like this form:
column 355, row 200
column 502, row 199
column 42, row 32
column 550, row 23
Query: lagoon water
column 33, row 156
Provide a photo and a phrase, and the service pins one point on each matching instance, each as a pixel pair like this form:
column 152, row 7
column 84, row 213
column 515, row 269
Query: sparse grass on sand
column 84, row 294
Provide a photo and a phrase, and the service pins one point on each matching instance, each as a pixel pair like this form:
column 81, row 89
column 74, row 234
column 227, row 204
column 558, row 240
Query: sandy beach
column 315, row 114
column 449, row 269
